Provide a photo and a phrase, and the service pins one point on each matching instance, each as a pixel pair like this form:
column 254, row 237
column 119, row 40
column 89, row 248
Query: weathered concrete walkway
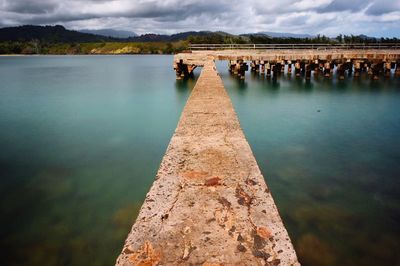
column 209, row 204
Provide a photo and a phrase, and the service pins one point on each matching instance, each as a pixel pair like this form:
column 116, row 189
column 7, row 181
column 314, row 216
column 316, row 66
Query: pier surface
column 209, row 204
column 375, row 60
column 199, row 57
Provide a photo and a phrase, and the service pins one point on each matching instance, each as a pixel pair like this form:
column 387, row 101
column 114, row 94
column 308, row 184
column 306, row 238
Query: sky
column 378, row 18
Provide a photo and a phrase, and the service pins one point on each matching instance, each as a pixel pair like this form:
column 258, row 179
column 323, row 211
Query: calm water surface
column 82, row 136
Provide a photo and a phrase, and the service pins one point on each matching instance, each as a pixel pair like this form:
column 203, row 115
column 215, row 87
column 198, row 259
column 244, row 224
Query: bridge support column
column 316, row 68
column 236, row 68
column 357, row 69
column 303, row 67
column 231, row 66
column 268, row 68
column 289, row 69
column 297, row 69
column 397, row 69
column 375, row 70
column 241, row 67
column 283, row 66
column 321, row 67
column 278, row 68
column 183, row 70
column 253, row 66
column 262, row 71
column 340, row 71
column 274, row 71
column 327, row 69
column 308, row 71
column 388, row 68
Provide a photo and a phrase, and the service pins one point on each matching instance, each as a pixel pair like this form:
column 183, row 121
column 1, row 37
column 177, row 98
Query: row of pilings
column 375, row 68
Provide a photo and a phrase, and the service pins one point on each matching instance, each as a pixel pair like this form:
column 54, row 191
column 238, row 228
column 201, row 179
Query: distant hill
column 122, row 34
column 51, row 34
column 174, row 37
column 285, row 35
column 59, row 34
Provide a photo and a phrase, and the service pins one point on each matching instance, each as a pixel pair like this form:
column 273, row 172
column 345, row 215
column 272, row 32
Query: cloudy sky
column 330, row 17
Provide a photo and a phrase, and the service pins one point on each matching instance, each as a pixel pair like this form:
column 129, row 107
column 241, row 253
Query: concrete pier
column 209, row 204
column 304, row 60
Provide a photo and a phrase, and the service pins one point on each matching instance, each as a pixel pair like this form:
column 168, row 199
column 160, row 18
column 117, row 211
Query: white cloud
column 329, row 17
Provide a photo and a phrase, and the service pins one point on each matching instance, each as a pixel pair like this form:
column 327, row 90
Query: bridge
column 209, row 204
column 270, row 59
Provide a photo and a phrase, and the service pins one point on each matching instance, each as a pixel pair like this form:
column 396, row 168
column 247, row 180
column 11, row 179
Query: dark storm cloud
column 345, row 5
column 32, row 7
column 42, row 12
column 236, row 16
column 383, row 7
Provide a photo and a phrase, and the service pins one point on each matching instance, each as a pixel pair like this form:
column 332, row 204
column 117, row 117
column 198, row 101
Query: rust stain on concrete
column 209, row 204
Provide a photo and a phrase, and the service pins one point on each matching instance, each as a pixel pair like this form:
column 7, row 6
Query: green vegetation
column 58, row 40
column 37, row 47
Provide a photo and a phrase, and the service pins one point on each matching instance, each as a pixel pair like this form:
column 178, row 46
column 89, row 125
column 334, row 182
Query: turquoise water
column 81, row 140
column 82, row 136
column 330, row 153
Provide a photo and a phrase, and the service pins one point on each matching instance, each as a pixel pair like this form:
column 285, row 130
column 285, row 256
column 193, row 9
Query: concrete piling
column 268, row 69
column 357, row 68
column 388, row 69
column 297, row 68
column 327, row 69
column 308, row 71
column 289, row 70
column 397, row 71
column 262, row 71
column 340, row 71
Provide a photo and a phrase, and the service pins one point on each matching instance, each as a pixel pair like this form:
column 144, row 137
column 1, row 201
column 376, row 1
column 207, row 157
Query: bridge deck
column 209, row 203
column 199, row 57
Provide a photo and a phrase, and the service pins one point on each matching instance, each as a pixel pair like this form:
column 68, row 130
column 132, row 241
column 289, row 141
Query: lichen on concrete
column 209, row 203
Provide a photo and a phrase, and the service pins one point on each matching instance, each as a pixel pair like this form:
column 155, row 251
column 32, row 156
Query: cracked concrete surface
column 209, row 204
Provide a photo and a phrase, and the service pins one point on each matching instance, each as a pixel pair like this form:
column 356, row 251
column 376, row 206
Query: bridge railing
column 317, row 46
